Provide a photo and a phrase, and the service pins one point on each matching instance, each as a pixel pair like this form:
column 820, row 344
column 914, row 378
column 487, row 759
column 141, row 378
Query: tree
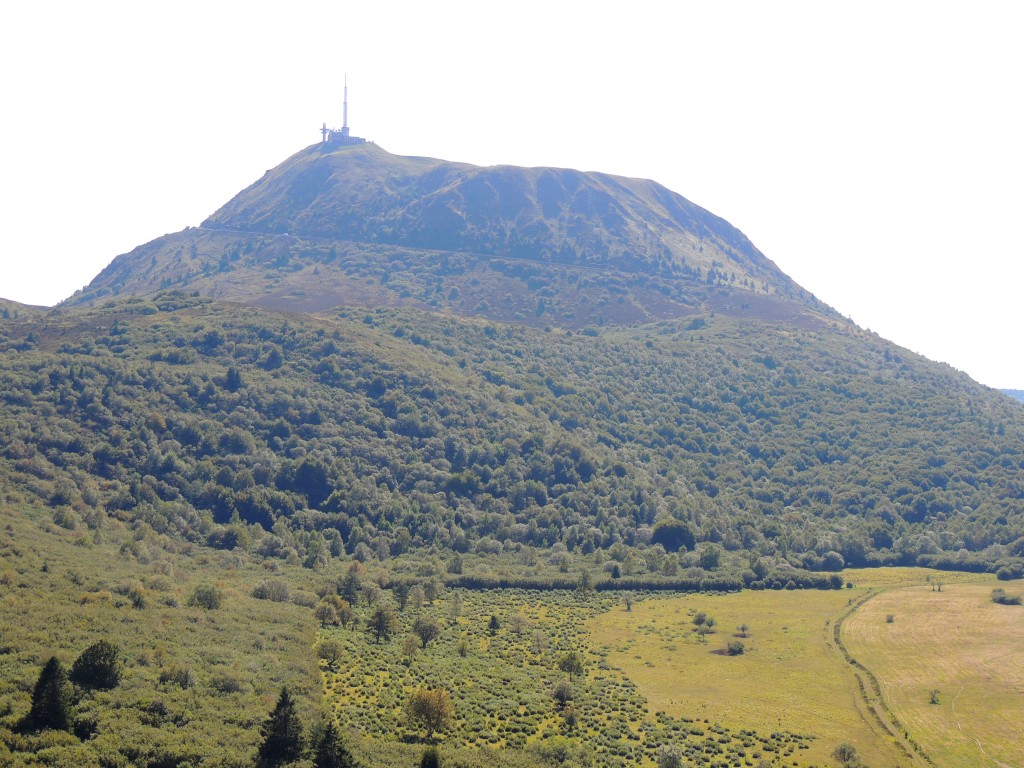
column 326, row 614
column 670, row 756
column 282, row 734
column 233, row 380
column 430, row 758
column 426, row 629
column 493, row 625
column 517, row 623
column 847, row 756
column 346, row 614
column 431, row 709
column 710, row 557
column 562, row 692
column 571, row 664
column 673, row 535
column 51, row 698
column 742, row 630
column 98, row 666
column 351, row 584
column 331, row 751
column 383, row 623
column 411, row 646
column 455, row 608
column 401, row 592
column 329, row 649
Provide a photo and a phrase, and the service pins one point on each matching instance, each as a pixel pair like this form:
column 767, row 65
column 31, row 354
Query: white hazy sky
column 873, row 150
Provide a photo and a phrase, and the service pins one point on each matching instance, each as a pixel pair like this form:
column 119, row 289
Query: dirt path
column 870, row 701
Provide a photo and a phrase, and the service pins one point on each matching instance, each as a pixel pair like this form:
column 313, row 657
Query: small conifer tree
column 282, row 734
column 331, row 751
column 51, row 699
column 98, row 666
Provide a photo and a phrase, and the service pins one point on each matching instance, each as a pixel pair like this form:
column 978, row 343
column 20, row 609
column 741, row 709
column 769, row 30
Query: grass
column 62, row 590
column 962, row 645
column 789, row 679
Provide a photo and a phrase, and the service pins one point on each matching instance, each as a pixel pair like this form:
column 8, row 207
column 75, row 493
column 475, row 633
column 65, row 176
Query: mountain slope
column 403, row 431
column 334, row 227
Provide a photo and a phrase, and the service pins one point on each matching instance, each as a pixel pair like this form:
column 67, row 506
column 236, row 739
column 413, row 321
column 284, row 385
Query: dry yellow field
column 962, row 645
column 790, row 677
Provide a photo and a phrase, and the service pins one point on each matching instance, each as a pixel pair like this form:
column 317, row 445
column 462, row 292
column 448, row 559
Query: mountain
column 536, row 356
column 357, row 226
column 1016, row 394
column 370, row 382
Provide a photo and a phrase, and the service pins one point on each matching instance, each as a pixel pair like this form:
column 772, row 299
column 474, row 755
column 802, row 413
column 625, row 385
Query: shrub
column 670, row 756
column 206, row 596
column 273, row 590
column 1000, row 597
column 305, row 599
column 183, row 677
column 226, row 683
column 735, row 648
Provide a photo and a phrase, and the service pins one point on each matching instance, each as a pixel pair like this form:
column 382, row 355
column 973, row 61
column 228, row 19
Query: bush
column 275, row 591
column 206, row 596
column 999, row 596
column 183, row 677
column 227, row 683
column 735, row 648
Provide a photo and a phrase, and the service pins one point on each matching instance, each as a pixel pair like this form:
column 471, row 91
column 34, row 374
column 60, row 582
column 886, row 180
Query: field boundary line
column 878, row 708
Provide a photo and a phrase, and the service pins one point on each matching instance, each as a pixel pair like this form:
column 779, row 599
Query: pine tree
column 331, row 752
column 282, row 734
column 51, row 699
column 98, row 666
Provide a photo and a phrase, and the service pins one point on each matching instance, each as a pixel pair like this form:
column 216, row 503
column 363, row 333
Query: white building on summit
column 341, row 135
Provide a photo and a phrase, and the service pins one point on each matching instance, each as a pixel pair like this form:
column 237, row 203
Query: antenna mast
column 344, row 121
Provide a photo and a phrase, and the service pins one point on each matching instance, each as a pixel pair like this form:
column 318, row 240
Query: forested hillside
column 385, row 432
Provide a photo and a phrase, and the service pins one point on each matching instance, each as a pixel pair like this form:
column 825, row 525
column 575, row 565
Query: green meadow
column 655, row 673
column 951, row 668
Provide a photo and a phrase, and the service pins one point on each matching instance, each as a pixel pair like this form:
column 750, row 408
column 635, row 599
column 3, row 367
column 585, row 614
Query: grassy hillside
column 196, row 683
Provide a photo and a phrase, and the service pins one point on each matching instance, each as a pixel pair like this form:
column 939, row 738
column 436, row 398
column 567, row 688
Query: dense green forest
column 386, row 432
